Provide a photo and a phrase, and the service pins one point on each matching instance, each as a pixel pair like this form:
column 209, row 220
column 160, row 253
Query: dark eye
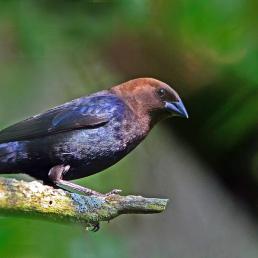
column 161, row 92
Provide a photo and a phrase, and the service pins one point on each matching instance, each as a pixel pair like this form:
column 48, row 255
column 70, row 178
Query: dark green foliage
column 53, row 51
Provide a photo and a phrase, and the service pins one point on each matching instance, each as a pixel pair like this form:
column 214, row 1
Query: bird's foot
column 91, row 192
column 113, row 192
column 96, row 227
column 56, row 173
column 93, row 227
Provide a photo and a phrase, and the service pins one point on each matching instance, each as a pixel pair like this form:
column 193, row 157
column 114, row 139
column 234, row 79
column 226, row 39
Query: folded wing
column 88, row 112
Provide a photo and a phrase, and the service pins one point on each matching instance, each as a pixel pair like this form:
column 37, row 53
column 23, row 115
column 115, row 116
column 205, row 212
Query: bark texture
column 34, row 199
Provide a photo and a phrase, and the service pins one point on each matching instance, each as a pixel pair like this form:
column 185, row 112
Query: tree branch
column 35, row 199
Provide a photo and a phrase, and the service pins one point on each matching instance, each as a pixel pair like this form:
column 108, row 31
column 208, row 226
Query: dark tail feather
column 8, row 157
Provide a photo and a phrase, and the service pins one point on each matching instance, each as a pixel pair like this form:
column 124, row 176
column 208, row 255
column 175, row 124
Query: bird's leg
column 56, row 176
column 56, row 173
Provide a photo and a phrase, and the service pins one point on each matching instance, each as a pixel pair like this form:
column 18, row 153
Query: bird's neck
column 144, row 117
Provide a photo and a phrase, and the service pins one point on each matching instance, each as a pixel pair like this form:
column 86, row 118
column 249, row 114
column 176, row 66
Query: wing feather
column 87, row 112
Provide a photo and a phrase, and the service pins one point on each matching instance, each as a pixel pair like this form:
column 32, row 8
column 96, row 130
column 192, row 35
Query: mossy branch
column 35, row 199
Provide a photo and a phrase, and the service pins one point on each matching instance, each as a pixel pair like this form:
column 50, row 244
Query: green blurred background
column 54, row 51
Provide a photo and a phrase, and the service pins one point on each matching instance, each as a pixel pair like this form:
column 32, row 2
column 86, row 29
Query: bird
column 87, row 135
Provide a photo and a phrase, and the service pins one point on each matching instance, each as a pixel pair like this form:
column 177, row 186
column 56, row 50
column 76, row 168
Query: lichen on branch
column 36, row 200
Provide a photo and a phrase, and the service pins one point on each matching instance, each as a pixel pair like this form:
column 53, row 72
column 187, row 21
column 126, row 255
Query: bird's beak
column 177, row 108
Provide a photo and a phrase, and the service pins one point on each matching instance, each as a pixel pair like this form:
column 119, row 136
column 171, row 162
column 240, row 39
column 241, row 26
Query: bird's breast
column 91, row 150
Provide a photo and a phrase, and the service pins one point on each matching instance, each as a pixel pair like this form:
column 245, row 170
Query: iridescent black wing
column 87, row 112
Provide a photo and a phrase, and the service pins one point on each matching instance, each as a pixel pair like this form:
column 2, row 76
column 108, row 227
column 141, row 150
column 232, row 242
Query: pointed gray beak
column 177, row 108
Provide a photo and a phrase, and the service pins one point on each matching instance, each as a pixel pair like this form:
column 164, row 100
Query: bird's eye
column 161, row 92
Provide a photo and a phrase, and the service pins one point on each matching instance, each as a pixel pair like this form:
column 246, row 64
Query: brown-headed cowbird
column 87, row 135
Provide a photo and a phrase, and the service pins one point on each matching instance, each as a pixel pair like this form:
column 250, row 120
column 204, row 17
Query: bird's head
column 152, row 97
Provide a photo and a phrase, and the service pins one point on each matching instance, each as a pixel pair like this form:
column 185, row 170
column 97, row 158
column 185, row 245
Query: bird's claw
column 96, row 227
column 114, row 191
column 93, row 227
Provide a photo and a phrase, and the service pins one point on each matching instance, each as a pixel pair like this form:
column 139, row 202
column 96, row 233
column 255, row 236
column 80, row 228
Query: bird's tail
column 8, row 156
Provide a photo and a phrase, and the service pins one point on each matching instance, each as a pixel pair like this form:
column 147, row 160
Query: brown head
column 151, row 97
